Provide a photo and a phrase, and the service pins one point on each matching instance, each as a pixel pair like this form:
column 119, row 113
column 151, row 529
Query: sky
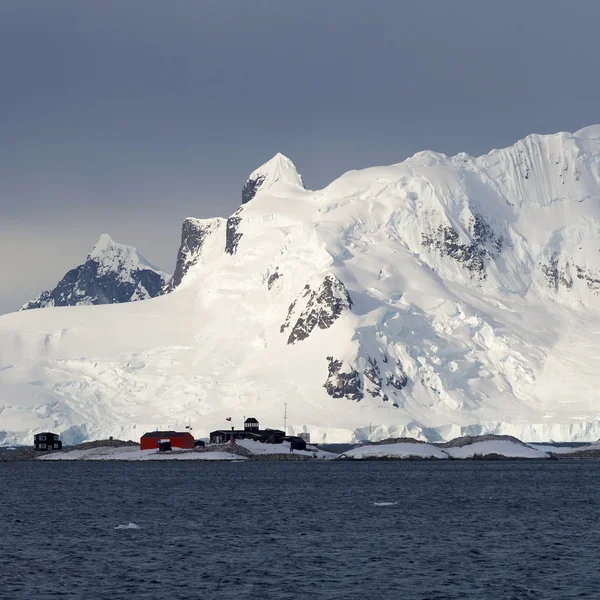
column 126, row 116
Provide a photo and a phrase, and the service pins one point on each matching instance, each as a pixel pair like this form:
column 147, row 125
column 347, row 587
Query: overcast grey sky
column 126, row 116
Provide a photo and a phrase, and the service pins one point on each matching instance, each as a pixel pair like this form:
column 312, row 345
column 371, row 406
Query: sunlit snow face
column 428, row 299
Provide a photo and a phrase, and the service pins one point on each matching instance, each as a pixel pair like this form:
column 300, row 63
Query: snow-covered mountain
column 432, row 298
column 112, row 273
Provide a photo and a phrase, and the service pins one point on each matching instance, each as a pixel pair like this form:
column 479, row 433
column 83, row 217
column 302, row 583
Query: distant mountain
column 112, row 273
column 434, row 298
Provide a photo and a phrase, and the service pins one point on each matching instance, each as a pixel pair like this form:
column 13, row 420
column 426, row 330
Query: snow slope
column 399, row 450
column 434, row 298
column 258, row 448
column 505, row 448
column 497, row 447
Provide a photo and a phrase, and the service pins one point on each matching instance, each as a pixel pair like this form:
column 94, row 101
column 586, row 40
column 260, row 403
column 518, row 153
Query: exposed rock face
column 398, row 378
column 272, row 279
column 320, row 307
column 555, row 275
column 485, row 243
column 113, row 273
column 232, row 236
column 373, row 374
column 251, row 187
column 563, row 273
column 194, row 233
column 379, row 381
column 343, row 384
column 591, row 280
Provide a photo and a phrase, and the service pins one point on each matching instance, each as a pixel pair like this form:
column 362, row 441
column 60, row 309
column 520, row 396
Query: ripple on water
column 468, row 531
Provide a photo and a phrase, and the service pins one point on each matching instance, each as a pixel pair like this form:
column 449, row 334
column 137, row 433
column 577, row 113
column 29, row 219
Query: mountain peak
column 279, row 169
column 102, row 246
column 114, row 256
column 112, row 273
column 104, row 241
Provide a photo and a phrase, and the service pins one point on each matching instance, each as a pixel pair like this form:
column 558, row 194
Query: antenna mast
column 285, row 418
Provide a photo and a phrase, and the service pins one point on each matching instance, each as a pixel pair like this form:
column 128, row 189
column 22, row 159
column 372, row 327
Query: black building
column 46, row 441
column 272, row 436
column 222, row 436
column 251, row 431
column 251, row 424
column 296, row 443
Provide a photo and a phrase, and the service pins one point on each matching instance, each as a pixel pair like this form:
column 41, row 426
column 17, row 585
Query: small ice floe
column 384, row 503
column 128, row 526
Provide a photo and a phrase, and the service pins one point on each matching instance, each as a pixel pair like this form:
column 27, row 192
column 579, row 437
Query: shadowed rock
column 322, row 307
column 194, row 233
column 485, row 244
column 342, row 384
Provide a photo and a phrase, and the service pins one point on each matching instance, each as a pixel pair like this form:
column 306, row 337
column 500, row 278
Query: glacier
column 437, row 297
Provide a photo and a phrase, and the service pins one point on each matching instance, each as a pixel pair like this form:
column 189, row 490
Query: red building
column 178, row 439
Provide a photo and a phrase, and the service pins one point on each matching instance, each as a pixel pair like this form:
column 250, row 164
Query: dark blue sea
column 287, row 530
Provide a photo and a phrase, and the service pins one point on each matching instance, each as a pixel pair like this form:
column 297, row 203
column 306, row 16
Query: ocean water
column 287, row 530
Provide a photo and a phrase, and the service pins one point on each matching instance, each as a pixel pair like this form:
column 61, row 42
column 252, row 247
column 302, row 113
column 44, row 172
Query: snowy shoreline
column 464, row 448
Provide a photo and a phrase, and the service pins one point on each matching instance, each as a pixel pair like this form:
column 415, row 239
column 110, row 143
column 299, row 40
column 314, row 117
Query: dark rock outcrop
column 321, row 307
column 343, row 384
column 273, row 278
column 397, row 379
column 555, row 276
column 194, row 233
column 373, row 374
column 591, row 280
column 251, row 187
column 376, row 381
column 232, row 236
column 485, row 243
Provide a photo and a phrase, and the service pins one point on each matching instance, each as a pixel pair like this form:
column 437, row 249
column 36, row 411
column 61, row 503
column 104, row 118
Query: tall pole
column 285, row 418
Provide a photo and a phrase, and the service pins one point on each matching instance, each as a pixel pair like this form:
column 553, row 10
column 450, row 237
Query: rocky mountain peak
column 112, row 273
column 278, row 169
column 112, row 256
